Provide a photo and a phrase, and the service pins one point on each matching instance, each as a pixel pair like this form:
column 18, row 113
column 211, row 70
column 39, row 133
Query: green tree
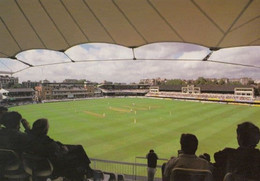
column 15, row 85
column 235, row 83
column 221, row 82
column 250, row 82
column 201, row 81
column 175, row 82
column 215, row 82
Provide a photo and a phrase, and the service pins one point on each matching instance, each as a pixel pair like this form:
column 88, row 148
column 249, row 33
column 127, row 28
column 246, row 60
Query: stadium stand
column 52, row 92
column 18, row 96
column 49, row 91
column 124, row 89
column 225, row 93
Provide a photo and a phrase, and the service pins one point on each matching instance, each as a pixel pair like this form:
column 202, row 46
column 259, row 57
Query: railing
column 132, row 171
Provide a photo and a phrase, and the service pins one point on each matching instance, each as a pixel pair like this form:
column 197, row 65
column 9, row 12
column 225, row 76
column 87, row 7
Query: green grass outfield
column 123, row 128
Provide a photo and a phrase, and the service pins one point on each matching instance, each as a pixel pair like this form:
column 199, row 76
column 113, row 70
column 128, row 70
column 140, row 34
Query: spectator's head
column 205, row 156
column 11, row 120
column 248, row 135
column 2, row 111
column 40, row 127
column 189, row 144
column 151, row 151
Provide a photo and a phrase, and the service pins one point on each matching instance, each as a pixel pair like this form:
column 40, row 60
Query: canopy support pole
column 133, row 51
column 212, row 49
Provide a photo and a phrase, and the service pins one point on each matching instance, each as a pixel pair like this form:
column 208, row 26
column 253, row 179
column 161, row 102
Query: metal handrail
column 132, row 171
column 164, row 159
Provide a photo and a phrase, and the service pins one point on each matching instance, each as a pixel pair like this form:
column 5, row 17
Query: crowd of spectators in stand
column 16, row 103
column 204, row 96
column 72, row 162
column 127, row 90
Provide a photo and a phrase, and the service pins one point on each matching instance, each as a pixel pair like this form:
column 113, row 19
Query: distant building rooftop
column 20, row 90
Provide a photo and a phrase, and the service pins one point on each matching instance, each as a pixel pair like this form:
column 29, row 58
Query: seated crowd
column 69, row 161
column 242, row 163
column 72, row 162
column 204, row 96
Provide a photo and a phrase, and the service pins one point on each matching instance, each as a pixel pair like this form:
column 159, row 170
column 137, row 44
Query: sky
column 115, row 63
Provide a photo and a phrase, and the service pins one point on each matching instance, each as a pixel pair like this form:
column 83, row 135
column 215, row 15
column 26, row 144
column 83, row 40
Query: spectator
column 69, row 161
column 243, row 161
column 3, row 110
column 206, row 157
column 10, row 136
column 151, row 163
column 187, row 157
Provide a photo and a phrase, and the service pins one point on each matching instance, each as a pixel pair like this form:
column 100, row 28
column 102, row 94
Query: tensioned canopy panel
column 60, row 24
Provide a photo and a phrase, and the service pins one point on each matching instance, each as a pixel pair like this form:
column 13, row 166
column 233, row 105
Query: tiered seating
column 112, row 176
column 120, row 177
column 28, row 167
column 11, row 166
column 35, row 168
column 38, row 168
column 204, row 96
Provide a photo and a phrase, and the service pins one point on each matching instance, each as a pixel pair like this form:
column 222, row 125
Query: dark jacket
column 241, row 161
column 67, row 162
column 14, row 140
column 152, row 159
column 44, row 146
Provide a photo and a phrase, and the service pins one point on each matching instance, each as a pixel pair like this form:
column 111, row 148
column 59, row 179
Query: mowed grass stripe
column 197, row 123
column 223, row 132
column 147, row 141
column 137, row 130
column 117, row 137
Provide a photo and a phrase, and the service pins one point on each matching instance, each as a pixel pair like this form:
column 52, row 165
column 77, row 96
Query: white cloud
column 41, row 57
column 134, row 70
column 11, row 65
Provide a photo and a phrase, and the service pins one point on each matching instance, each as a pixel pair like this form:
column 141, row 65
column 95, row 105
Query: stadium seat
column 120, row 177
column 11, row 167
column 98, row 175
column 113, row 176
column 185, row 174
column 37, row 167
column 234, row 177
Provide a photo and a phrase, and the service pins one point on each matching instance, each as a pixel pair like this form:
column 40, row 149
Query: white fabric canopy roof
column 61, row 24
column 3, row 91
